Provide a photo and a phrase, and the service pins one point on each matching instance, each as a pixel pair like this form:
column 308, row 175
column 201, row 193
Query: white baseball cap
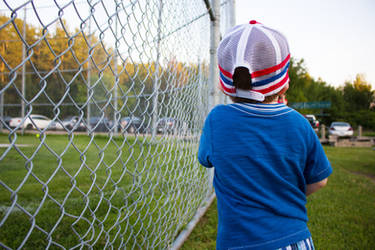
column 263, row 51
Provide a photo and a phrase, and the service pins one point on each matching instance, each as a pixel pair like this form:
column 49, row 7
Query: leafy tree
column 11, row 59
column 56, row 66
column 297, row 74
column 358, row 95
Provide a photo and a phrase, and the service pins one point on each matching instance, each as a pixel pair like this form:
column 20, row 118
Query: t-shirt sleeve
column 317, row 166
column 205, row 145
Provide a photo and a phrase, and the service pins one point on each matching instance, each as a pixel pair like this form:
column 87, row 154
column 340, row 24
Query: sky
column 336, row 38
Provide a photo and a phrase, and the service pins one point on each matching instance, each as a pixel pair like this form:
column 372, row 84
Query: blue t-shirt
column 263, row 156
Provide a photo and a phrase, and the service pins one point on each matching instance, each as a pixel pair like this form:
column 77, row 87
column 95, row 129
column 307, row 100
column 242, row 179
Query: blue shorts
column 306, row 244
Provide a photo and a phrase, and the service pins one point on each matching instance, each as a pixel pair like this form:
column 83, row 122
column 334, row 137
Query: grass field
column 341, row 215
column 368, row 133
column 109, row 192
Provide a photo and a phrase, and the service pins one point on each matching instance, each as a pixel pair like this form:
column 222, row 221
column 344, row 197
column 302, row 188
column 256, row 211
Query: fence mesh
column 107, row 100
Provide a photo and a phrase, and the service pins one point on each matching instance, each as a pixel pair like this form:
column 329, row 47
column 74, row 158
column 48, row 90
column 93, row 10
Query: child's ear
column 284, row 89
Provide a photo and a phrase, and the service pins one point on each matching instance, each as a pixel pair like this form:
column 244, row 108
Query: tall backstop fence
column 102, row 103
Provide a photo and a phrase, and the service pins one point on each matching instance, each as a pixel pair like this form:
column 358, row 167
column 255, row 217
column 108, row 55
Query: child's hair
column 242, row 80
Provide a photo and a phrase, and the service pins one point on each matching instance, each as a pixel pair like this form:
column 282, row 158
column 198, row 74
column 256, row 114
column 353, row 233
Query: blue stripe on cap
column 271, row 79
column 225, row 79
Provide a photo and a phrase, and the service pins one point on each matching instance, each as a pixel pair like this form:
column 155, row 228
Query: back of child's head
column 253, row 62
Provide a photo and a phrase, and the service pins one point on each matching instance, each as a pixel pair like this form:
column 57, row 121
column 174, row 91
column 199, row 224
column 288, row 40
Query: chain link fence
column 102, row 105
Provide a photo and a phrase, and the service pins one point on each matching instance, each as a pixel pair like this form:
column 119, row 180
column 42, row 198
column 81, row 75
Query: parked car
column 99, row 124
column 70, row 123
column 5, row 120
column 132, row 124
column 313, row 122
column 31, row 122
column 166, row 125
column 341, row 129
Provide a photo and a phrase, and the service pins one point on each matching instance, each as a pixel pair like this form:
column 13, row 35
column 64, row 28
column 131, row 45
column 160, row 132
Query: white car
column 341, row 129
column 31, row 122
column 313, row 122
column 70, row 123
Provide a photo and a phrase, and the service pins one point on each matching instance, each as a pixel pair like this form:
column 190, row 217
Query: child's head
column 253, row 62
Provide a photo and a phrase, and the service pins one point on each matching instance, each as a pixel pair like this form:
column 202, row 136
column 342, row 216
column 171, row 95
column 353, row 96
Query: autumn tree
column 56, row 66
column 358, row 94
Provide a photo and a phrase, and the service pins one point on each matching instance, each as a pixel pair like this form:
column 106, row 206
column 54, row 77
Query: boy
column 266, row 156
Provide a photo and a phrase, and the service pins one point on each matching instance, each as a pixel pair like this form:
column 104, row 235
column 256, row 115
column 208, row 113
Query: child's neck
column 274, row 101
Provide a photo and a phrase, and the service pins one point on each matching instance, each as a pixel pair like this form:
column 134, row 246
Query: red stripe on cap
column 226, row 73
column 273, row 87
column 270, row 70
column 254, row 22
column 225, row 89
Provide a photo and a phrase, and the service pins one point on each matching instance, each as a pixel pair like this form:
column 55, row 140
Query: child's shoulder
column 257, row 110
column 220, row 109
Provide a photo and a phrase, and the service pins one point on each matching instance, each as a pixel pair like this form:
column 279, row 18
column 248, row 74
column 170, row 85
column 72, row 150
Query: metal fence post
column 117, row 78
column 156, row 80
column 23, row 91
column 88, row 115
column 214, row 39
column 231, row 14
column 230, row 22
column 214, row 72
column 2, row 110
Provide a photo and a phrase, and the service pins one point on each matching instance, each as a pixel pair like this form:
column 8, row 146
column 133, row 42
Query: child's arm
column 205, row 145
column 312, row 188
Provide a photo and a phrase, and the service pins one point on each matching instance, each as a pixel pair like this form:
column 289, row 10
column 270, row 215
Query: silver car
column 341, row 129
column 31, row 122
column 71, row 123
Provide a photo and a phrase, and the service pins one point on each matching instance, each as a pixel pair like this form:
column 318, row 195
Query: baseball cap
column 260, row 49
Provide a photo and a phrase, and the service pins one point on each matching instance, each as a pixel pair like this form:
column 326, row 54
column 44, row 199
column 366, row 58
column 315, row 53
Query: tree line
column 352, row 102
column 68, row 70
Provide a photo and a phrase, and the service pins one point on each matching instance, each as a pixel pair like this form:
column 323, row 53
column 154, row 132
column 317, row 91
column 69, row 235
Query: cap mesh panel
column 259, row 53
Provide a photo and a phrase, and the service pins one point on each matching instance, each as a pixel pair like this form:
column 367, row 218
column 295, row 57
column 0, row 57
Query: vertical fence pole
column 2, row 82
column 200, row 79
column 230, row 22
column 117, row 77
column 214, row 72
column 23, row 68
column 1, row 109
column 231, row 14
column 89, row 77
column 214, row 39
column 156, row 80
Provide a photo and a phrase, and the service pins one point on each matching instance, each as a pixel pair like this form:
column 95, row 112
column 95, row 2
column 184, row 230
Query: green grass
column 341, row 215
column 364, row 132
column 81, row 187
column 368, row 133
